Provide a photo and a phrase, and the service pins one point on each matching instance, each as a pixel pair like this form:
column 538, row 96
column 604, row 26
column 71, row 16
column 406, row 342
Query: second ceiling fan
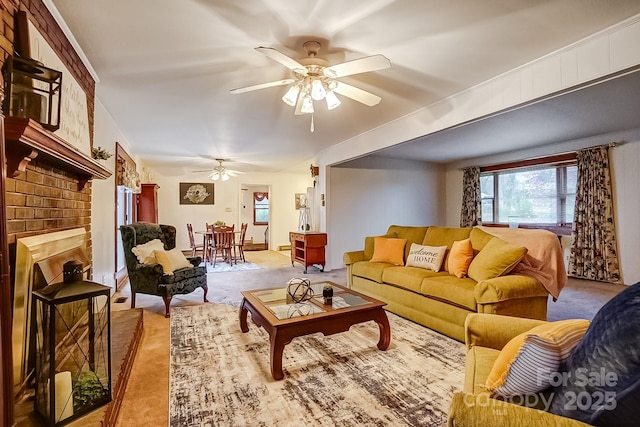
column 314, row 79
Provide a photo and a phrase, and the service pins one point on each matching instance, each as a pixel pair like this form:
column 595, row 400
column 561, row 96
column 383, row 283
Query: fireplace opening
column 39, row 263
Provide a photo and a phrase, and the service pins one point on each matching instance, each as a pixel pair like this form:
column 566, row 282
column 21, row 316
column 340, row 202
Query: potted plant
column 99, row 153
column 87, row 390
column 219, row 223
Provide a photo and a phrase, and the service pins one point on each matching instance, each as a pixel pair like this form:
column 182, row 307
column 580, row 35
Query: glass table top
column 283, row 307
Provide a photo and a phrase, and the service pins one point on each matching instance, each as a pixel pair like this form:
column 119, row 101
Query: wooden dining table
column 207, row 236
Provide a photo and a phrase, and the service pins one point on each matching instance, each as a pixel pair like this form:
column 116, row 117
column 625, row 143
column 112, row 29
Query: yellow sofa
column 485, row 336
column 439, row 300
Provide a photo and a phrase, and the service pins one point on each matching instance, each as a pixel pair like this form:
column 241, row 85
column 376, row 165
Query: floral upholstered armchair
column 156, row 266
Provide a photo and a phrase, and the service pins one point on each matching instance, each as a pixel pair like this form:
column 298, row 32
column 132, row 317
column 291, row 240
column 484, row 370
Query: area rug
column 220, row 376
column 223, row 267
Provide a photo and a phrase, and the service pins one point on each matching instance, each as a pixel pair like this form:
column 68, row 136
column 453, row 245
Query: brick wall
column 45, row 198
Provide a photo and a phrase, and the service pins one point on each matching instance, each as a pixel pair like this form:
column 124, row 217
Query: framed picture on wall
column 192, row 193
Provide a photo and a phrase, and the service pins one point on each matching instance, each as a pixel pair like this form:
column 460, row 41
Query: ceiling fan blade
column 262, row 86
column 283, row 59
column 362, row 65
column 356, row 94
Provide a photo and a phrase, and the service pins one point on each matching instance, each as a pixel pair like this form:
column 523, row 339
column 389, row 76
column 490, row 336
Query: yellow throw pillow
column 389, row 250
column 429, row 257
column 529, row 362
column 172, row 260
column 460, row 257
column 144, row 251
column 497, row 258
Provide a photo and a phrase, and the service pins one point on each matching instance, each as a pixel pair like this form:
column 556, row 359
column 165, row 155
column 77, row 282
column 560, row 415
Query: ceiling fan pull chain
column 312, row 122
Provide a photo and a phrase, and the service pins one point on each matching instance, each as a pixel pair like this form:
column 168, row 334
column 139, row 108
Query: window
column 531, row 193
column 260, row 208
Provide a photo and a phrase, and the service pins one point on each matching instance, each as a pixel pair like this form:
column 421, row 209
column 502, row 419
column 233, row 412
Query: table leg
column 242, row 316
column 205, row 245
column 385, row 330
column 277, row 348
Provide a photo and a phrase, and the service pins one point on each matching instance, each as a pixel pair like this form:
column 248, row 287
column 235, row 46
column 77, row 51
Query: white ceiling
column 165, row 68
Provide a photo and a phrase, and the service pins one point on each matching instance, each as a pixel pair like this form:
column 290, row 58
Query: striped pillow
column 527, row 362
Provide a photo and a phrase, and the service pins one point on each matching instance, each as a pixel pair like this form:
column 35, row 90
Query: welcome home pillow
column 171, row 260
column 144, row 251
column 389, row 250
column 529, row 362
column 429, row 257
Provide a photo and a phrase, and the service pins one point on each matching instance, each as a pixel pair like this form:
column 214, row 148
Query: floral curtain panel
column 471, row 198
column 594, row 253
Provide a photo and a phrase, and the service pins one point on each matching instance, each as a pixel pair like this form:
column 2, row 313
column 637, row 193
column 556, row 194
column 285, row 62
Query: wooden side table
column 308, row 248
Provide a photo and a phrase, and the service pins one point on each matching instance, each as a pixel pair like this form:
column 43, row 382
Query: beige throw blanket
column 544, row 259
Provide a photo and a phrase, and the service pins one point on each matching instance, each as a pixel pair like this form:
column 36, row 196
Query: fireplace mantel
column 26, row 139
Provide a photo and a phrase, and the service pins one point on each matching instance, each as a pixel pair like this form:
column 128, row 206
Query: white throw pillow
column 144, row 252
column 429, row 257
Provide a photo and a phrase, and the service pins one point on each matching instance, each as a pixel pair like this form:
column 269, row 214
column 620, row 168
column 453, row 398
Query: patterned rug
column 220, row 376
column 223, row 267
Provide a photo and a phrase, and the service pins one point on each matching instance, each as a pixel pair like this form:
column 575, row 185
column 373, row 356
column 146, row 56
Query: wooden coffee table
column 285, row 320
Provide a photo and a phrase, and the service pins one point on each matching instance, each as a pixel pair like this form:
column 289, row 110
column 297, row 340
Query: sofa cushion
column 412, row 234
column 478, row 365
column 429, row 257
column 368, row 244
column 495, row 259
column 479, row 238
column 408, row 277
column 602, row 380
column 451, row 289
column 389, row 250
column 444, row 236
column 460, row 257
column 529, row 360
column 370, row 270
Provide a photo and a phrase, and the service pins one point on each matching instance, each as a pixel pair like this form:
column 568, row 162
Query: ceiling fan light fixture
column 318, row 91
column 332, row 100
column 215, row 176
column 307, row 105
column 225, row 176
column 291, row 97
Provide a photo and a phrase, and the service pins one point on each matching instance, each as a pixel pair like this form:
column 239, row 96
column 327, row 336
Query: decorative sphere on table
column 299, row 289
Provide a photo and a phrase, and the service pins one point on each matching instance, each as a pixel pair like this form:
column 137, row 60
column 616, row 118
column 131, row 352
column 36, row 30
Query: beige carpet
column 221, row 376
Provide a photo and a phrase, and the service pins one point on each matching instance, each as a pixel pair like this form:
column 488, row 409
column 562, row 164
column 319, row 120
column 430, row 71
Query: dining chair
column 195, row 247
column 223, row 244
column 240, row 243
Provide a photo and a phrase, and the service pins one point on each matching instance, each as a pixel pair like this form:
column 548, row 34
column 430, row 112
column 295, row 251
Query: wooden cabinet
column 308, row 248
column 148, row 203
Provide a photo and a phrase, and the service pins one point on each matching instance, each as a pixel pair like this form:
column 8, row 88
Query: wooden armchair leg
column 206, row 289
column 133, row 299
column 167, row 303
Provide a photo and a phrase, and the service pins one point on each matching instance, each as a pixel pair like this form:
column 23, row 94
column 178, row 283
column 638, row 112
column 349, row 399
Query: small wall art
column 194, row 193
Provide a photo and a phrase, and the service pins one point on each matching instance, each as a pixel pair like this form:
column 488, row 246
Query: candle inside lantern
column 64, row 397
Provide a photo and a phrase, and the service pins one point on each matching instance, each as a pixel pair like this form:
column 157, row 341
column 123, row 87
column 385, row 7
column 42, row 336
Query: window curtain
column 471, row 198
column 258, row 197
column 594, row 253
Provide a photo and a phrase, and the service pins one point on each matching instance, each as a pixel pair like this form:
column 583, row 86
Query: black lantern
column 32, row 91
column 73, row 351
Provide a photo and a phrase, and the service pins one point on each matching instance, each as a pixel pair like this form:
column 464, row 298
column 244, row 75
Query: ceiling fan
column 220, row 172
column 314, row 79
